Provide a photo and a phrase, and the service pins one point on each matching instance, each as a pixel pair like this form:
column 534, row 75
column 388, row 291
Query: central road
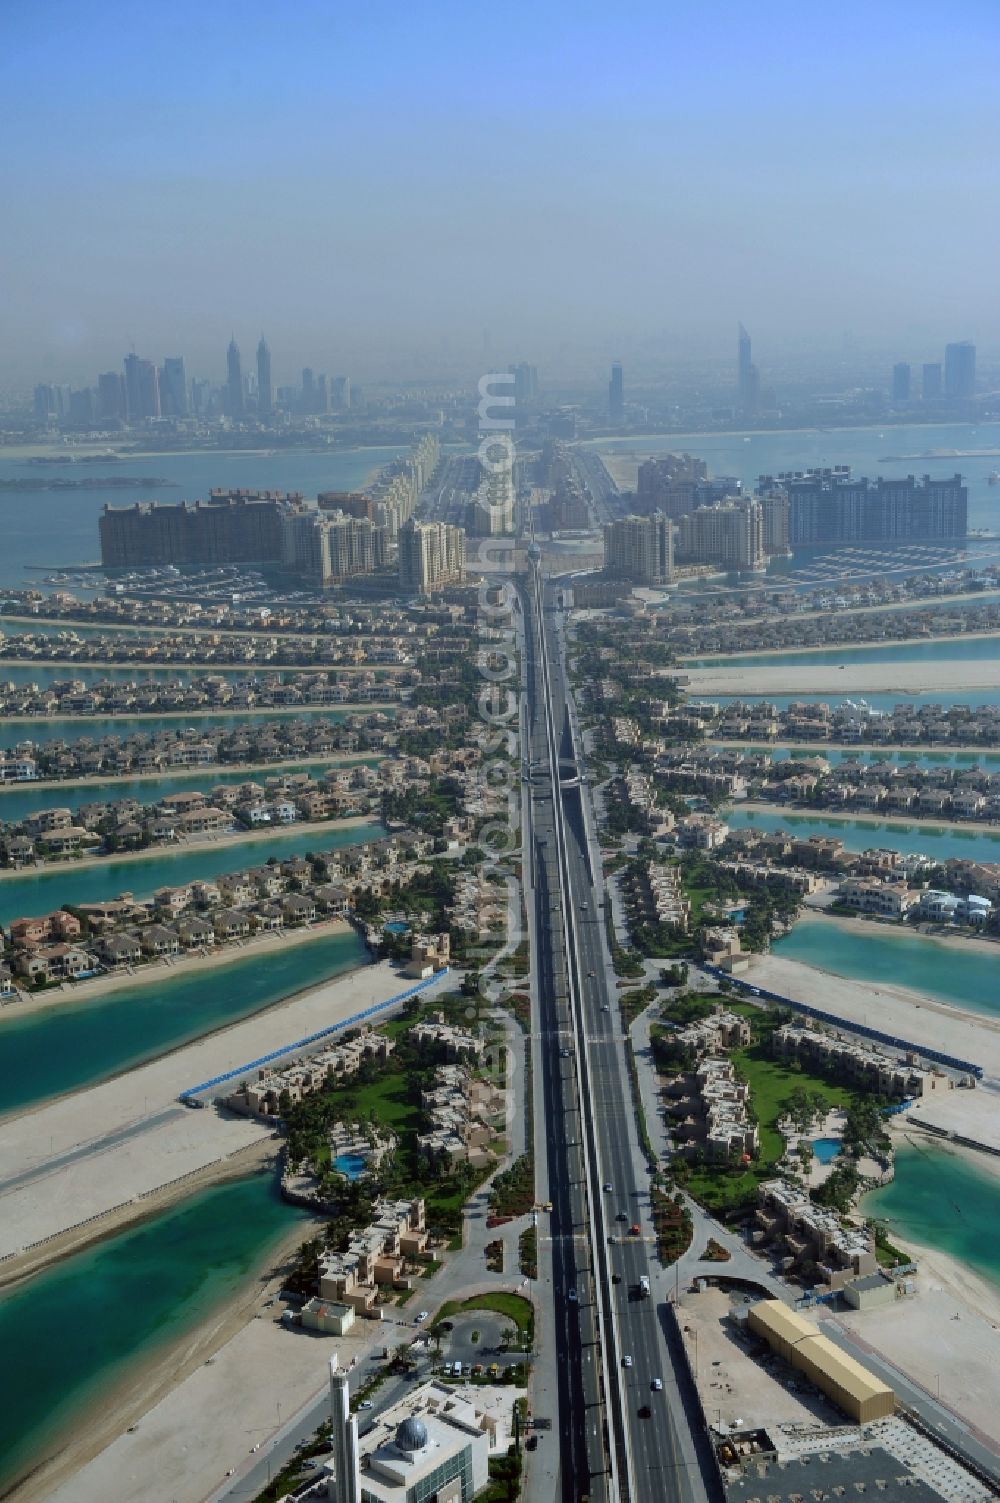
column 621, row 1438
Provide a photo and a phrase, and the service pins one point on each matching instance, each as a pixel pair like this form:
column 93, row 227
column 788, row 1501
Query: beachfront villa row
column 263, row 741
column 934, row 724
column 842, row 1054
column 810, row 1241
column 376, row 1256
column 713, row 1035
column 894, row 898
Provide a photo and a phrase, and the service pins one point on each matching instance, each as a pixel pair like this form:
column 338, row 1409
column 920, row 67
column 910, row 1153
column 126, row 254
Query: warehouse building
column 861, row 1395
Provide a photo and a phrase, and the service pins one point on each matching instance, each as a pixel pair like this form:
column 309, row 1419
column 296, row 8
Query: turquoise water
column 350, row 1164
column 943, row 1201
column 38, row 891
column 920, row 758
column 69, row 1047
column 826, row 1149
column 865, row 449
column 75, row 1331
column 859, row 835
column 878, row 701
column 26, row 798
column 94, row 727
column 955, row 649
column 893, row 957
column 59, row 528
column 398, row 927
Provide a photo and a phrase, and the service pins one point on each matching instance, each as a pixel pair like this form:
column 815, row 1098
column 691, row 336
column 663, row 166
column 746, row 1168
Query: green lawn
column 771, row 1082
column 514, row 1306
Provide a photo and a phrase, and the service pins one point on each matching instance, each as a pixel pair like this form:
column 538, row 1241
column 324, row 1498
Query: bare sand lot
column 95, row 1151
column 946, row 1337
column 892, row 1009
column 824, row 682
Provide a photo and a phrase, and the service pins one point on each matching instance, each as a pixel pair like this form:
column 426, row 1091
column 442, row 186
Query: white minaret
column 345, row 1485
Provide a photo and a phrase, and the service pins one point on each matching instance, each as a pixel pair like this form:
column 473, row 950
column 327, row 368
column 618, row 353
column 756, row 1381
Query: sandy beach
column 94, row 1151
column 816, row 681
column 190, row 847
column 892, row 1009
column 179, row 1391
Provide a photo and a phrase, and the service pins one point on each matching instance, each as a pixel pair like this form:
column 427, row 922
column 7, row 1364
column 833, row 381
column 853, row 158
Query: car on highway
column 573, row 1296
column 657, row 1385
column 622, row 1216
column 605, row 1007
column 365, row 1404
column 608, row 1189
column 564, row 1054
column 626, row 1360
column 422, row 1316
column 645, row 1412
column 583, row 907
column 591, row 973
column 633, row 1230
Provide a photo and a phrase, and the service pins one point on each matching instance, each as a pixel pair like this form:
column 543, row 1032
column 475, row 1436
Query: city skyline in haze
column 423, row 189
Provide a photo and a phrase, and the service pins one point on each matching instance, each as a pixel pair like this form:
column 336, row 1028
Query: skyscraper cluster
column 955, row 381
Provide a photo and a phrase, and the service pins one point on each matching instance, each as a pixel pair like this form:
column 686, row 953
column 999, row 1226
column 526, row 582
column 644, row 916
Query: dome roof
column 412, row 1434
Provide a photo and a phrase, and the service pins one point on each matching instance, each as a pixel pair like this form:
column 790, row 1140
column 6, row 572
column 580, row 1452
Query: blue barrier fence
column 870, row 1033
column 312, row 1038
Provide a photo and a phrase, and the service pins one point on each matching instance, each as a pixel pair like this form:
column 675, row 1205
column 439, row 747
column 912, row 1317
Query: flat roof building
column 796, row 1340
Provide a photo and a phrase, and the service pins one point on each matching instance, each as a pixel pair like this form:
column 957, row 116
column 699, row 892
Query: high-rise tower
column 960, row 370
column 265, row 388
column 747, row 376
column 616, row 393
column 234, row 379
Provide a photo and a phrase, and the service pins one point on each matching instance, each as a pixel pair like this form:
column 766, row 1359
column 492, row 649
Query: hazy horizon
column 378, row 191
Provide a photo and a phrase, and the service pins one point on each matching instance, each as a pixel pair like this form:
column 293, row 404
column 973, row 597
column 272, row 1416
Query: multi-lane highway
column 631, row 1437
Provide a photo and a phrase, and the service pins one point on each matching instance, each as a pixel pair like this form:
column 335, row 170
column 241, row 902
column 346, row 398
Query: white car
column 573, row 1296
column 657, row 1385
column 608, row 1189
column 626, row 1361
column 422, row 1316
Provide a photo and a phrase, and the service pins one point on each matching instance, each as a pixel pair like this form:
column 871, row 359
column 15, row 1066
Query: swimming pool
column 826, row 1149
column 351, row 1165
column 398, row 927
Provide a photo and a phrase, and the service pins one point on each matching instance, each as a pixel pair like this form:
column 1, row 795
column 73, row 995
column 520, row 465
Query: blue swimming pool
column 398, row 927
column 352, row 1165
column 826, row 1149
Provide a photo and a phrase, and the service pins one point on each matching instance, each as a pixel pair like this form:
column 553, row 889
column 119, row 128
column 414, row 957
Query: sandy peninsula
column 894, row 1010
column 826, row 681
column 95, row 1151
column 760, row 655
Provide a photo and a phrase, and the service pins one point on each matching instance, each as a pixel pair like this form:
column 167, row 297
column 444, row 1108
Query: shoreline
column 97, row 624
column 951, row 941
column 147, row 1381
column 870, row 748
column 100, row 779
column 892, row 1009
column 725, row 659
column 862, row 817
column 179, row 965
column 916, row 682
column 251, row 1158
column 206, row 666
column 241, row 713
column 187, row 847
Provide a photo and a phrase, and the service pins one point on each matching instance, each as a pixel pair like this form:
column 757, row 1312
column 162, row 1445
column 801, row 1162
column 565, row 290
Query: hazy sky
column 383, row 178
